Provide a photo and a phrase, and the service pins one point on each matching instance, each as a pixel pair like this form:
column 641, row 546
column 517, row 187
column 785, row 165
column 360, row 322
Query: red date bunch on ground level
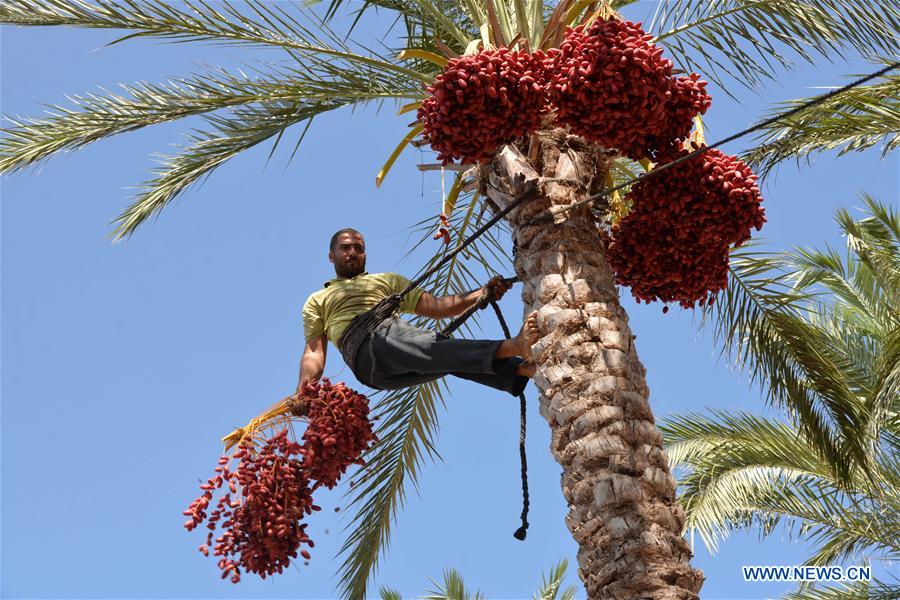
column 673, row 245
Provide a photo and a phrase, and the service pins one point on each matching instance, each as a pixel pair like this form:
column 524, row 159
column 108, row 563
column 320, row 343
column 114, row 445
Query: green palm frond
column 227, row 137
column 266, row 25
column 859, row 590
column 826, row 373
column 407, row 426
column 433, row 25
column 456, row 23
column 261, row 23
column 387, row 593
column 442, row 20
column 734, row 440
column 733, row 500
column 749, row 41
column 758, row 323
column 884, row 402
column 874, row 265
column 746, row 470
column 311, row 84
column 838, row 526
column 735, row 459
column 322, row 73
column 875, row 240
column 856, row 299
column 446, row 20
column 551, row 583
column 101, row 116
column 812, row 326
column 453, row 588
column 819, row 331
column 853, row 121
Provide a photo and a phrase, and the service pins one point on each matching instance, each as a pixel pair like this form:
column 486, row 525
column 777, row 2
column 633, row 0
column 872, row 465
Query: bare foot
column 522, row 343
column 526, row 369
column 528, row 336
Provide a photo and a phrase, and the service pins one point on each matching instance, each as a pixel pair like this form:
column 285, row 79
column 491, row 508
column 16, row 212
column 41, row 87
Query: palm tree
column 821, row 333
column 623, row 510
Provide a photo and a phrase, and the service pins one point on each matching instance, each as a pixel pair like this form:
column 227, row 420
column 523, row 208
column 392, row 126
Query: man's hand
column 451, row 306
column 498, row 285
column 298, row 393
column 312, row 365
column 303, row 383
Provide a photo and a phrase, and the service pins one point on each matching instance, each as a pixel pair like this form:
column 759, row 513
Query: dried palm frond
column 280, row 415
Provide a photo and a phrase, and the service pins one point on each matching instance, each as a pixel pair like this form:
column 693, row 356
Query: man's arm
column 450, row 306
column 312, row 365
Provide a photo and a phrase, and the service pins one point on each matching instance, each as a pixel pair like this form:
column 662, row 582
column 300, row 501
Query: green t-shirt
column 331, row 309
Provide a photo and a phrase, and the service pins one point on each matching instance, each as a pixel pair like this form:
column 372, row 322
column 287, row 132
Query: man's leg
column 400, row 348
column 506, row 377
column 370, row 370
column 511, row 370
column 406, row 355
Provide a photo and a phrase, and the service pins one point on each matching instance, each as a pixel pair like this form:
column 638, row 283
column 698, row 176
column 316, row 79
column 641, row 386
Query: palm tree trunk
column 622, row 506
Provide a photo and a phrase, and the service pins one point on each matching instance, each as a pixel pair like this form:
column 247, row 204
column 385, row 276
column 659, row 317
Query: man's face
column 348, row 255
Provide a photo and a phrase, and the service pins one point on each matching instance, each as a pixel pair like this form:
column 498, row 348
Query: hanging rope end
column 520, row 532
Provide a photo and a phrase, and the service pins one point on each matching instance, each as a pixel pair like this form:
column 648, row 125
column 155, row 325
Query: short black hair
column 338, row 233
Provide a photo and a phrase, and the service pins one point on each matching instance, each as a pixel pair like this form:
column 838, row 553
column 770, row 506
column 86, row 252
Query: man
column 397, row 354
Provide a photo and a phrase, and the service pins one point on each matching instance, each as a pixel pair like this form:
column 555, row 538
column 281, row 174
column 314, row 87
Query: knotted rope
column 487, row 298
column 520, row 532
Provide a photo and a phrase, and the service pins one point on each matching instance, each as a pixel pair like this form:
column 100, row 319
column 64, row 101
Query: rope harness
column 364, row 324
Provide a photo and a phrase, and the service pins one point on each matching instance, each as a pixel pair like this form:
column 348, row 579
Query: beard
column 347, row 271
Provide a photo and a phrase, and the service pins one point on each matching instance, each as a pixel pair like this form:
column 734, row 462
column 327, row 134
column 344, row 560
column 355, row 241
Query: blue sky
column 123, row 365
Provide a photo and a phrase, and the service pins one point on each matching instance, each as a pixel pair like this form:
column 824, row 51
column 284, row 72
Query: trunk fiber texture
column 623, row 511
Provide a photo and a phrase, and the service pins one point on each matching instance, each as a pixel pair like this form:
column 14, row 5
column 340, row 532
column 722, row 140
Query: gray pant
column 405, row 356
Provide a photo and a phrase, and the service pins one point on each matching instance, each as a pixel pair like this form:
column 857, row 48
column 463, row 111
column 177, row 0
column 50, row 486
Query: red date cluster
column 611, row 86
column 607, row 82
column 673, row 245
column 482, row 101
column 270, row 492
column 262, row 530
column 338, row 432
column 688, row 99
